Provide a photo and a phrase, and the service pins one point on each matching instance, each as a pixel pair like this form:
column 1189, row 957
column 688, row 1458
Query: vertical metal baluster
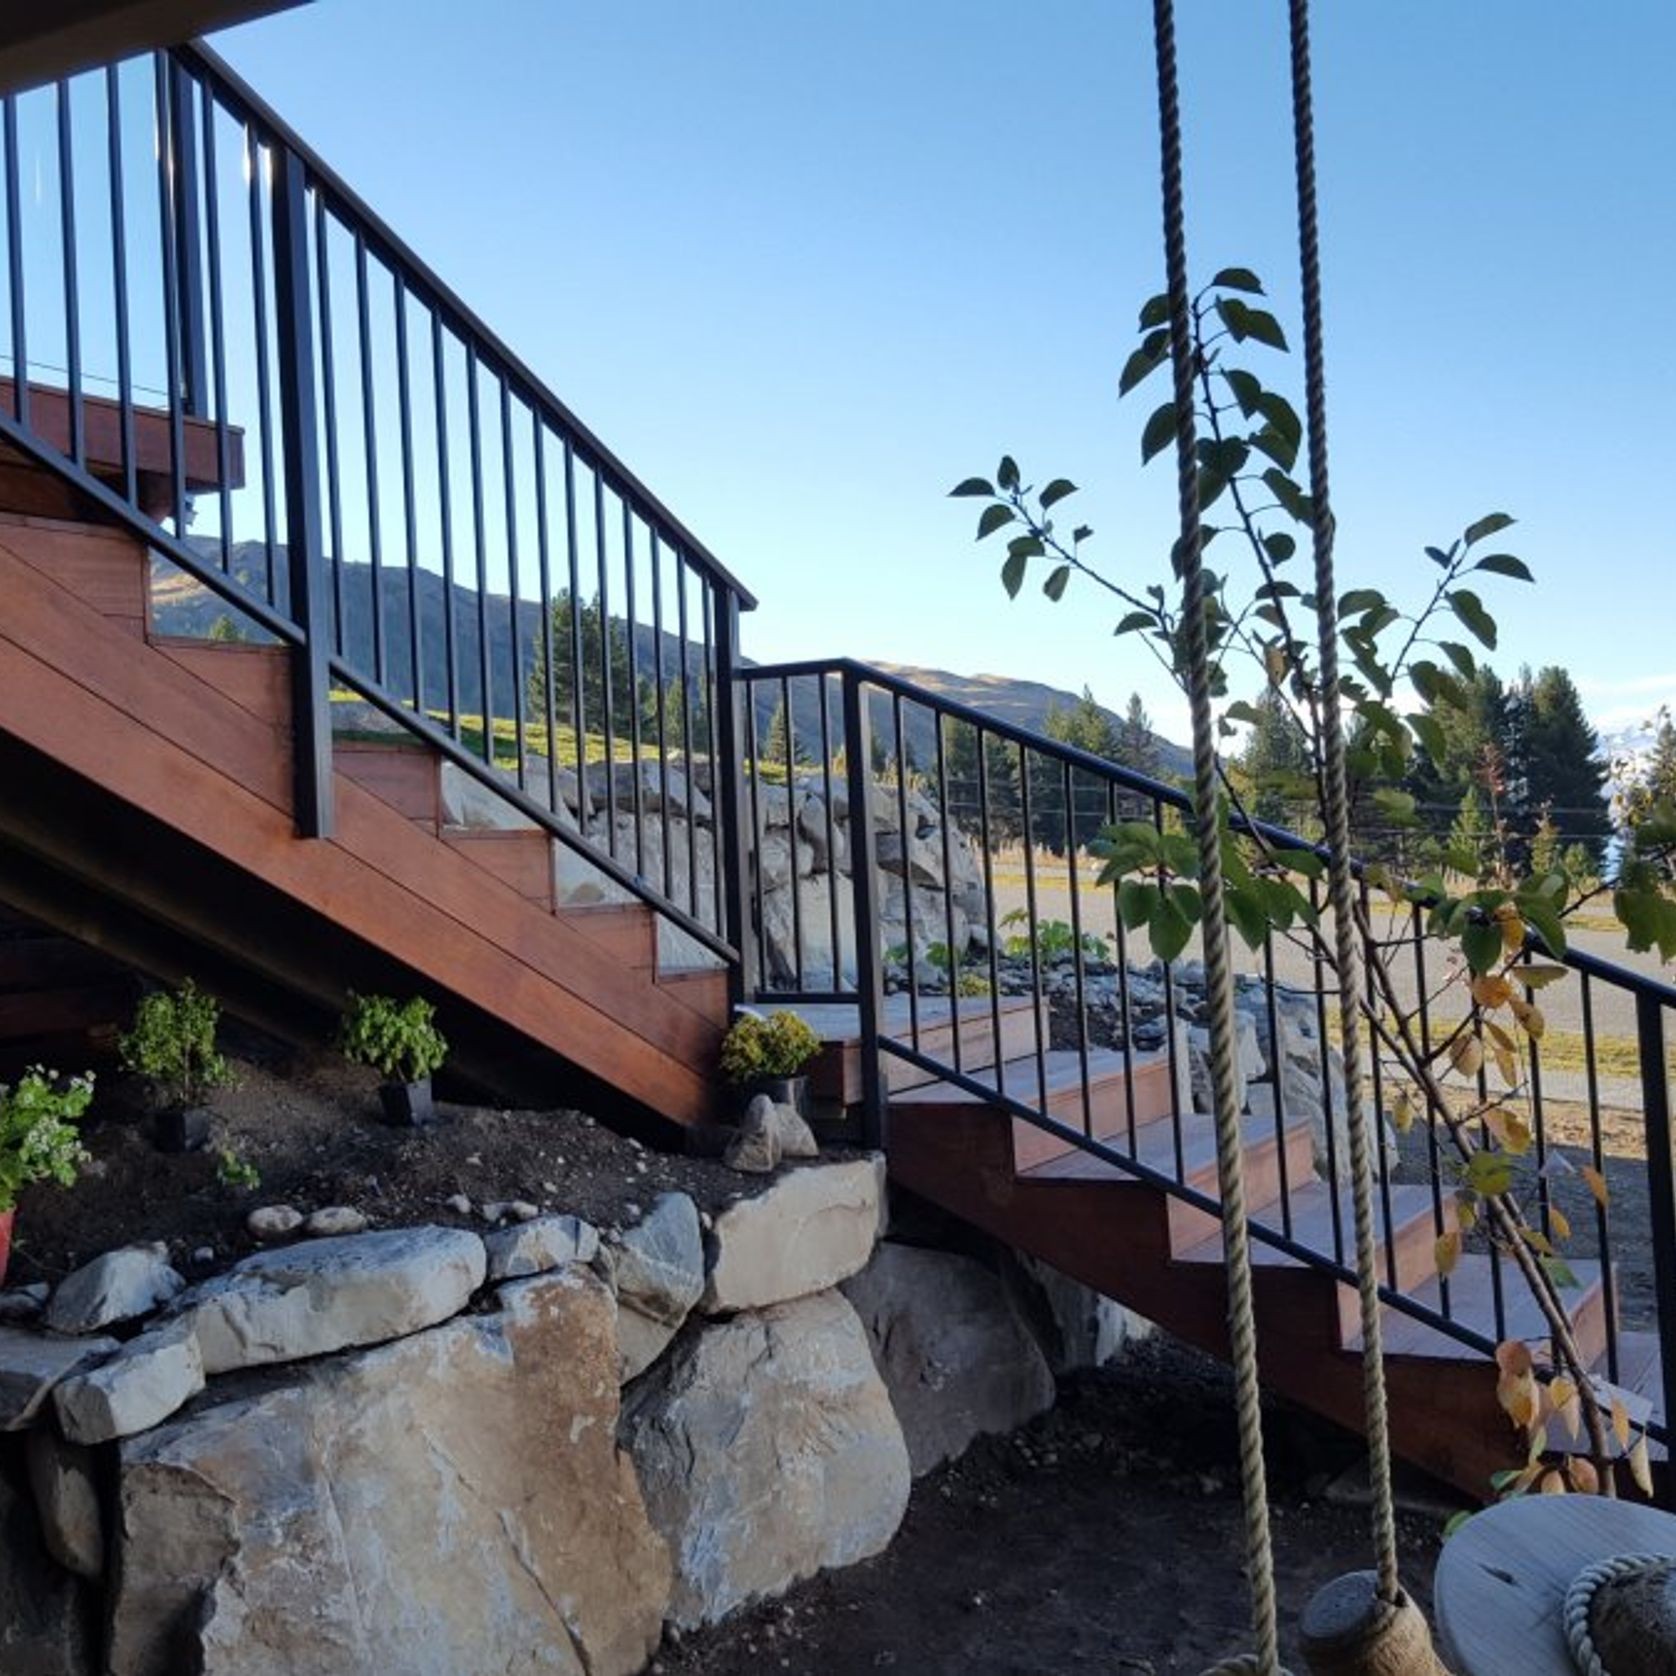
column 14, row 267
column 72, row 293
column 474, row 427
column 218, row 330
column 168, row 200
column 1277, row 1069
column 908, row 886
column 1177, row 1070
column 1434, row 1160
column 655, row 560
column 1544, row 1200
column 956, row 961
column 1497, row 1283
column 832, row 874
column 683, row 630
column 791, row 826
column 254, row 169
column 329, row 411
column 1038, row 990
column 1603, row 1240
column 1326, row 1063
column 728, row 848
column 369, row 423
column 183, row 151
column 544, row 560
column 711, row 602
column 1376, row 1123
column 404, row 403
column 869, row 964
column 604, row 597
column 119, row 297
column 633, row 695
column 989, row 910
column 1123, row 1012
column 578, row 705
column 445, row 507
column 1661, row 1190
column 1076, row 946
column 515, row 643
column 757, row 835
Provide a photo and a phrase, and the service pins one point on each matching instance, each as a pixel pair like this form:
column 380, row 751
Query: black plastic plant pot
column 407, row 1105
column 783, row 1091
column 183, row 1130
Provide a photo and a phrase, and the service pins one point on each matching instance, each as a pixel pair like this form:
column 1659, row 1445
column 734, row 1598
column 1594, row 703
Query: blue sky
column 804, row 267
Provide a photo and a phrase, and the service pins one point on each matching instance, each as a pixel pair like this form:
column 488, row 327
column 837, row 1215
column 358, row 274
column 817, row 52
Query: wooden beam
column 43, row 42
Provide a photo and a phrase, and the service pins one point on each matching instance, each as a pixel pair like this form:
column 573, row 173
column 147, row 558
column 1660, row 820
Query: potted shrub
column 398, row 1039
column 764, row 1053
column 173, row 1044
column 38, row 1139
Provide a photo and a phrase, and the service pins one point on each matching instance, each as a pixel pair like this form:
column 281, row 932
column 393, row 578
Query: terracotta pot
column 7, row 1218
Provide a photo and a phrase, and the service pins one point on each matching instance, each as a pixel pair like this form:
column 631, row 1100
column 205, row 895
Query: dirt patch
column 310, row 1126
column 1106, row 1535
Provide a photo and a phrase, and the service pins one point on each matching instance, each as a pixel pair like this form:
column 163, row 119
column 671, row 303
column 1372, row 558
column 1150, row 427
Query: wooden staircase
column 150, row 810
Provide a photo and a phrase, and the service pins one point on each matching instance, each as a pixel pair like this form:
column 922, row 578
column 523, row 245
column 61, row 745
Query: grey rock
column 769, row 1132
column 334, row 1221
column 658, row 1274
column 48, row 1617
column 767, row 1449
column 31, row 1364
column 1075, row 1326
column 119, row 1286
column 137, row 1389
column 23, row 1303
column 67, row 1499
column 548, row 1242
column 953, row 1353
column 811, row 1229
column 307, row 1300
column 273, row 1222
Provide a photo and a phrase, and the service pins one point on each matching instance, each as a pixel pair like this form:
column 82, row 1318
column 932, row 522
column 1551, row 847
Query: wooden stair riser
column 1105, row 1115
column 977, row 1044
column 1262, row 1157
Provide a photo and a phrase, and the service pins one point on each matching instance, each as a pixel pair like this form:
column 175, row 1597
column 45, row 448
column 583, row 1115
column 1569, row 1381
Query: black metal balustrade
column 919, row 769
column 245, row 365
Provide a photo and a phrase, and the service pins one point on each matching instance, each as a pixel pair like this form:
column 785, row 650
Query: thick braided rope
column 1341, row 887
column 1580, row 1597
column 1242, row 1329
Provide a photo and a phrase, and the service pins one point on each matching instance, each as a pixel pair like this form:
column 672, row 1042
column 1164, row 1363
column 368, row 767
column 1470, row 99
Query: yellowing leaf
column 1559, row 1222
column 1620, row 1422
column 1519, row 1399
column 1530, row 1018
column 1466, row 1215
column 1640, row 1469
column 1447, row 1252
column 1491, row 991
column 1512, row 931
column 1552, row 1484
column 1516, row 1134
column 1466, row 1054
column 1584, row 1479
column 1562, row 1398
column 1538, row 1241
column 1597, row 1185
column 1539, row 977
column 1513, row 1356
column 1402, row 1113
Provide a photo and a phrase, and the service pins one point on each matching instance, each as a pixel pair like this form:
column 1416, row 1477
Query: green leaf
column 1057, row 490
column 994, row 518
column 1461, row 656
column 1430, row 734
column 1489, row 1172
column 1180, row 854
column 1560, row 1272
column 1470, row 609
column 1135, row 620
column 1290, row 496
column 1397, row 806
column 1152, row 354
column 1358, row 600
column 1263, row 326
column 1238, row 279
column 1438, row 557
column 1280, row 449
column 1282, row 415
column 1160, row 431
column 1155, row 311
column 1082, row 532
column 1012, row 573
column 1279, row 548
column 1248, row 913
column 972, row 486
column 1306, row 862
column 1481, row 944
column 1006, row 474
column 1485, row 526
column 1054, row 587
column 1539, row 912
column 1247, row 389
column 1134, row 902
column 1029, row 545
column 1504, row 564
column 1170, row 930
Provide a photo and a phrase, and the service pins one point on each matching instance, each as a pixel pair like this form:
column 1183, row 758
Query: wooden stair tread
column 1020, row 1079
column 1472, row 1304
column 1155, row 1147
column 1312, row 1224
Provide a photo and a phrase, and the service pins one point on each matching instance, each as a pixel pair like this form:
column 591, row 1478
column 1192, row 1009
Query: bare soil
column 1107, row 1535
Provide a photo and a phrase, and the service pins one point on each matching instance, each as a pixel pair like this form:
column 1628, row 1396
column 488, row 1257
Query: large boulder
column 307, row 1300
column 813, row 1228
column 66, row 1492
column 136, row 1389
column 954, row 1355
column 452, row 1502
column 767, row 1449
column 119, row 1286
column 1075, row 1326
column 48, row 1619
column 31, row 1364
column 658, row 1273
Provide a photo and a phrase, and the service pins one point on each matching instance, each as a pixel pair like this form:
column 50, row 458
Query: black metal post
column 1661, row 1193
column 727, row 783
column 869, row 971
column 305, row 548
column 182, row 128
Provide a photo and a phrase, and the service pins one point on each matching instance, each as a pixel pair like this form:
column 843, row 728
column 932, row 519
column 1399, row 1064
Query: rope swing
column 1363, row 1622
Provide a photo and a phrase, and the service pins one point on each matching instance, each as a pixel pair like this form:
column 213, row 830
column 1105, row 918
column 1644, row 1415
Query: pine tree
column 1000, row 780
column 1654, row 781
column 1276, row 758
column 1564, row 775
column 1137, row 745
column 590, row 629
column 771, row 750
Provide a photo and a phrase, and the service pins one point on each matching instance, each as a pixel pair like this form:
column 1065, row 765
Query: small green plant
column 1054, row 939
column 173, row 1043
column 38, row 1136
column 396, row 1038
column 767, row 1045
column 232, row 1170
